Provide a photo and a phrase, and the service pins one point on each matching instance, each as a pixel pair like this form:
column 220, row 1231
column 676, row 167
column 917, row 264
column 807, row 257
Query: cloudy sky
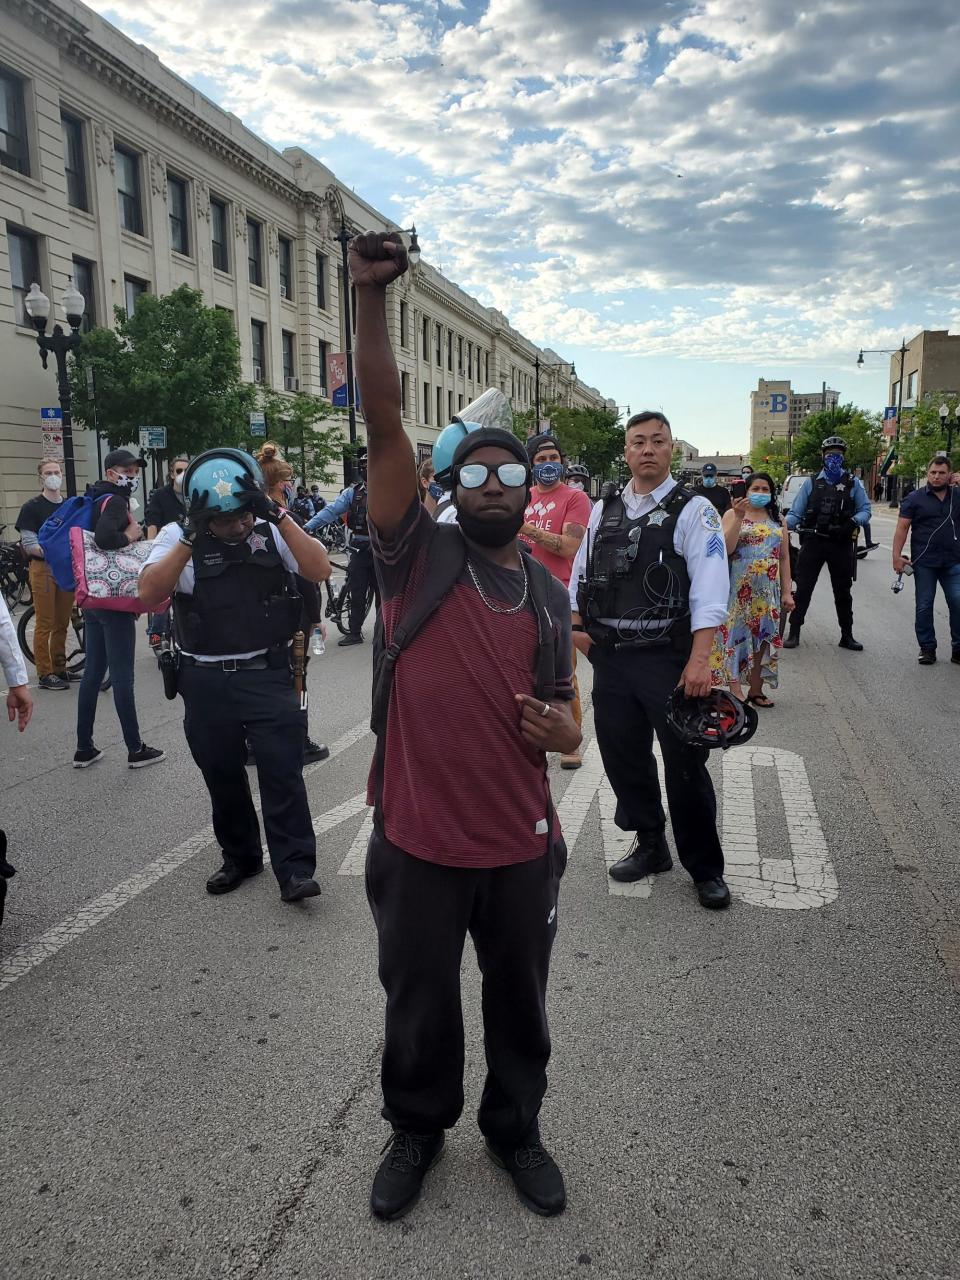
column 682, row 197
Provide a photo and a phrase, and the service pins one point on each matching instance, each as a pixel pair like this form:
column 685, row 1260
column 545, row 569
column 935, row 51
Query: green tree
column 591, row 436
column 175, row 363
column 860, row 429
column 308, row 431
column 770, row 456
column 921, row 435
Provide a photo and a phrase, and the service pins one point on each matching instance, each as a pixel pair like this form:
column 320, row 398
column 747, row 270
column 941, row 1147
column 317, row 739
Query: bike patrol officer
column 709, row 489
column 235, row 611
column 352, row 503
column 828, row 511
column 649, row 587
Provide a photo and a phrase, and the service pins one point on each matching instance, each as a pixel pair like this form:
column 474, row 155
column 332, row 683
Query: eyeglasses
column 474, row 474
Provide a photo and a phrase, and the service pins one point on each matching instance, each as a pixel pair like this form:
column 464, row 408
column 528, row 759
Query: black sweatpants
column 838, row 556
column 360, row 577
column 423, row 913
column 222, row 711
column 630, row 692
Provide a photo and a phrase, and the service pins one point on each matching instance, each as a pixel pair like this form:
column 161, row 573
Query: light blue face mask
column 709, row 481
column 760, row 499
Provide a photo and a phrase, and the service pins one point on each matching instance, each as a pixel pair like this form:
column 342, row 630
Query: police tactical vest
column 830, row 508
column 636, row 575
column 243, row 598
column 357, row 515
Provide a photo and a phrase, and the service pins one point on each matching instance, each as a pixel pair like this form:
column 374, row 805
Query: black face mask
column 491, row 531
column 938, row 488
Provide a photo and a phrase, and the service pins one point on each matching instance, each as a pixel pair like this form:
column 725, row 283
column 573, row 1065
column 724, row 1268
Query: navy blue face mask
column 547, row 473
column 833, row 465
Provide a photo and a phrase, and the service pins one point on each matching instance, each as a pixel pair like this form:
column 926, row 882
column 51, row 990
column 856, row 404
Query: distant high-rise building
column 776, row 409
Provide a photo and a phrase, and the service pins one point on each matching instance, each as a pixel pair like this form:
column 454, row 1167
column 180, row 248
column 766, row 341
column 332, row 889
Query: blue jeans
column 110, row 640
column 926, row 580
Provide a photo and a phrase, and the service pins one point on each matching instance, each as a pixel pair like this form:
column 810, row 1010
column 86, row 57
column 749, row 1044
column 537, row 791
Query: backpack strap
column 540, row 579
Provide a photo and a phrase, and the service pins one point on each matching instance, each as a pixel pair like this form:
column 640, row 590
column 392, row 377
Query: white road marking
column 353, row 863
column 806, row 879
column 29, row 955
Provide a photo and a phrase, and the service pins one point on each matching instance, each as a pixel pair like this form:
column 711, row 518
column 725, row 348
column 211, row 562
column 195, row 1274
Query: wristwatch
column 577, row 626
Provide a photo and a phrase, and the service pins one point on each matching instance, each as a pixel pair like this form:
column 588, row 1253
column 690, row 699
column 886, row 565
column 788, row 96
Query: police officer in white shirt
column 648, row 589
column 235, row 611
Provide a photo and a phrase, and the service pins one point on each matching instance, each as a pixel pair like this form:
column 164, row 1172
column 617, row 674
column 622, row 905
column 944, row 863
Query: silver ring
column 546, row 709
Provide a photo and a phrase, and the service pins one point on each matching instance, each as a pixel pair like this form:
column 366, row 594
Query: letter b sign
column 778, row 403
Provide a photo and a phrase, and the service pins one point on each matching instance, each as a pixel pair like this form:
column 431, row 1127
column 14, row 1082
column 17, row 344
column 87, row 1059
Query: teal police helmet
column 445, row 446
column 218, row 473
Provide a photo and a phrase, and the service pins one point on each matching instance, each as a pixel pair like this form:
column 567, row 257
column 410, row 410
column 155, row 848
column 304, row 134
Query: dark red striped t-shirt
column 460, row 785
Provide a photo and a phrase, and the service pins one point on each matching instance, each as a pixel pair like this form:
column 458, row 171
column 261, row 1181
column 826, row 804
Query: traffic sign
column 153, row 437
column 51, row 443
column 51, row 417
column 258, row 424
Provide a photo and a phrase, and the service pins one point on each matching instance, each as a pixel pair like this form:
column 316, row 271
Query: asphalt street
column 190, row 1084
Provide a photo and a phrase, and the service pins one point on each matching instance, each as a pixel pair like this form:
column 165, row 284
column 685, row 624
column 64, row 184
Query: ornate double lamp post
column 60, row 344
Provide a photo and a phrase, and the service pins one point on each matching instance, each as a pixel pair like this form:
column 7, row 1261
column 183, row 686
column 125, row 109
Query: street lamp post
column 61, row 344
column 343, row 235
column 887, row 351
column 949, row 424
column 536, row 394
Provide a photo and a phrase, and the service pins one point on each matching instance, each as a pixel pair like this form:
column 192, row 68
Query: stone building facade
column 117, row 173
column 931, row 363
column 776, row 410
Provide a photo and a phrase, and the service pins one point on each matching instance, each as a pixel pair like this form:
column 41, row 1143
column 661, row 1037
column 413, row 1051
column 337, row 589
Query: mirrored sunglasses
column 474, row 474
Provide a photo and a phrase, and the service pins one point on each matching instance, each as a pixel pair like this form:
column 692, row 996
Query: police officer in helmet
column 829, row 511
column 649, row 587
column 709, row 489
column 352, row 503
column 236, row 610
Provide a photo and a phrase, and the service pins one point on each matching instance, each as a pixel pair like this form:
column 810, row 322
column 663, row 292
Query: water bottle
column 317, row 645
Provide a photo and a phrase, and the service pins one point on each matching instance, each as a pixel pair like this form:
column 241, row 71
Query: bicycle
column 76, row 654
column 338, row 600
column 14, row 574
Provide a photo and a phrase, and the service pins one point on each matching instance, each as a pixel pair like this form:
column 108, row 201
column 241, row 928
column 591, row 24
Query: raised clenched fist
column 377, row 258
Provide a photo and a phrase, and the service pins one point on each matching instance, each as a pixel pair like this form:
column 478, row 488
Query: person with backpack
column 352, row 503
column 486, row 628
column 110, row 637
column 52, row 605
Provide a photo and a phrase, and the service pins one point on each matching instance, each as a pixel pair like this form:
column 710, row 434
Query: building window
column 895, row 392
column 322, row 282
column 83, row 279
column 323, row 367
column 289, row 367
column 226, row 311
column 439, row 405
column 459, row 355
column 450, row 350
column 258, row 346
column 177, row 200
column 911, row 384
column 486, row 367
column 255, row 252
column 73, row 161
column 426, row 337
column 449, row 406
column 24, row 251
column 459, row 403
column 426, row 403
column 133, row 289
column 14, row 152
column 285, row 254
column 469, row 359
column 218, row 232
column 404, row 392
column 403, row 324
column 128, row 190
column 439, row 346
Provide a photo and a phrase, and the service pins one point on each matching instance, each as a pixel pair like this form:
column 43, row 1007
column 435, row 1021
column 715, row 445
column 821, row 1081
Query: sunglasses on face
column 474, row 474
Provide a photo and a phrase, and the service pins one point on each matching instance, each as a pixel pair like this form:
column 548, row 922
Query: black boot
column 396, row 1187
column 231, row 877
column 535, row 1174
column 847, row 642
column 648, row 854
column 793, row 636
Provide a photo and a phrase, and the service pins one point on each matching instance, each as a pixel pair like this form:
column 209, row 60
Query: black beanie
column 485, row 437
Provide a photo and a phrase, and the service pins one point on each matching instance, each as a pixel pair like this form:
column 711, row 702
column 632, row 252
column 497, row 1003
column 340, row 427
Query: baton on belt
column 298, row 664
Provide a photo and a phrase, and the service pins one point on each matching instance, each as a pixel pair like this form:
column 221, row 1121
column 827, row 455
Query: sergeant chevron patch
column 716, row 546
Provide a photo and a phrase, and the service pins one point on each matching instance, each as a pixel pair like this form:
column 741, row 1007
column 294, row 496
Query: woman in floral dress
column 746, row 645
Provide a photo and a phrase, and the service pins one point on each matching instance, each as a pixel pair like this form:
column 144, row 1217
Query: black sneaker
column 72, row 677
column 396, row 1187
column 713, row 894
column 350, row 638
column 535, row 1173
column 143, row 756
column 84, row 759
column 52, row 682
column 315, row 751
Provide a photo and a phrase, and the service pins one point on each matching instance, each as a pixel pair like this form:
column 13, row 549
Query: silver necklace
column 494, row 608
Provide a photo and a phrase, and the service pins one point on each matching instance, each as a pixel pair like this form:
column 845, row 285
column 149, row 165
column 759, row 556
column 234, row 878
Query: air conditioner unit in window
column 257, row 373
column 291, row 384
column 283, row 291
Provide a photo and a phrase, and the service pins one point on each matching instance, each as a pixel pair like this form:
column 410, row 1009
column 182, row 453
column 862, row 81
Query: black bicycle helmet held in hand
column 719, row 720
